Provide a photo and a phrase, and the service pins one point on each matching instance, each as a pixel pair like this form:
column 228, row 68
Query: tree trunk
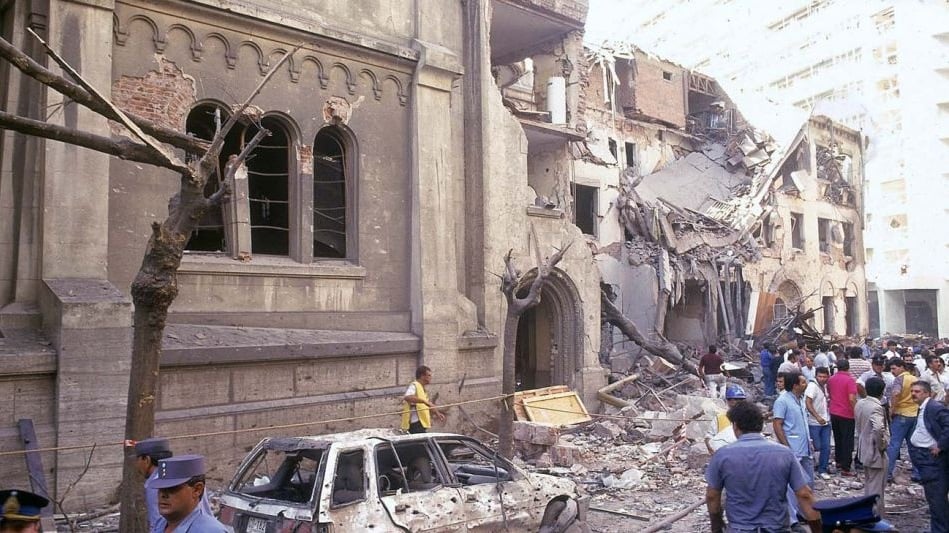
column 663, row 348
column 508, row 384
column 513, row 282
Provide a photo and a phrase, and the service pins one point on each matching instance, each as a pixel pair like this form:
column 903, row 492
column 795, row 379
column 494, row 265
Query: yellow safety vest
column 722, row 421
column 903, row 402
column 423, row 414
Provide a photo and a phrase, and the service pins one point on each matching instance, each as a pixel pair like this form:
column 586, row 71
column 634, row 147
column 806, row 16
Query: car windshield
column 288, row 476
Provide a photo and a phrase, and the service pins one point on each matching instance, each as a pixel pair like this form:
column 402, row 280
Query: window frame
column 299, row 259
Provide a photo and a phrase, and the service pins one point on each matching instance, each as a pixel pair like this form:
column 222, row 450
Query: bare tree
column 513, row 283
column 661, row 348
column 156, row 285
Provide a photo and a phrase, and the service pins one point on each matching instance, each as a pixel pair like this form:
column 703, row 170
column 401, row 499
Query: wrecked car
column 383, row 480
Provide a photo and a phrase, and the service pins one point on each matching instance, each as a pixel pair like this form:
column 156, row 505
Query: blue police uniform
column 196, row 522
column 176, row 471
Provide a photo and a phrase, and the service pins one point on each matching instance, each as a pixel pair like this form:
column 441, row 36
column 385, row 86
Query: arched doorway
column 549, row 343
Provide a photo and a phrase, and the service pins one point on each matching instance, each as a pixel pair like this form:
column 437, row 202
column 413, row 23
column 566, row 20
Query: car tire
column 562, row 516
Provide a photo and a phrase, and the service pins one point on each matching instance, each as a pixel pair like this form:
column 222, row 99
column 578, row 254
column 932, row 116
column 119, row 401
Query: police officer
column 20, row 511
column 148, row 453
column 180, row 485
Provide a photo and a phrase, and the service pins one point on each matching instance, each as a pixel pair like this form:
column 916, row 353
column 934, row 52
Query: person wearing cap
column 903, row 413
column 148, row 453
column 721, row 431
column 180, row 485
column 20, row 511
column 874, row 439
column 756, row 474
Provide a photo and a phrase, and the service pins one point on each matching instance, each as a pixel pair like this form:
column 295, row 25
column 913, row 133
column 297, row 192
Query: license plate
column 256, row 525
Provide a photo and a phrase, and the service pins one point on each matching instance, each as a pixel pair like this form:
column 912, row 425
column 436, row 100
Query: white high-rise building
column 879, row 66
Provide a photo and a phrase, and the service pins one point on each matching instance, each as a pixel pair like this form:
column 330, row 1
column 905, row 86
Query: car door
column 429, row 504
column 485, row 482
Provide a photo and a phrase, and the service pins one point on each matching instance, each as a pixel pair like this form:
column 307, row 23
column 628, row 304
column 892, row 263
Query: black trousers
column 843, row 429
column 416, row 427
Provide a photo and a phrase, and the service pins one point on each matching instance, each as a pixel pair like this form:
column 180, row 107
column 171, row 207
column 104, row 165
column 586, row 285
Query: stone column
column 89, row 323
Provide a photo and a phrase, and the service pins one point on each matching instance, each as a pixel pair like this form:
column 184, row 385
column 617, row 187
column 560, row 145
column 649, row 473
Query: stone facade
column 276, row 323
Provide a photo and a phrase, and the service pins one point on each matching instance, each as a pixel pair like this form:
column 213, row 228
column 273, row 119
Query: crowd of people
column 858, row 405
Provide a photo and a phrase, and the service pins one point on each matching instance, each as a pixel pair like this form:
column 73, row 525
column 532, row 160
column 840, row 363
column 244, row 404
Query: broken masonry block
column 565, row 453
column 662, row 367
column 534, row 433
column 621, row 364
column 607, row 430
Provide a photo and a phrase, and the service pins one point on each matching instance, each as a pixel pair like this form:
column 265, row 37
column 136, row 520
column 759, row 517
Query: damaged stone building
column 363, row 238
column 707, row 228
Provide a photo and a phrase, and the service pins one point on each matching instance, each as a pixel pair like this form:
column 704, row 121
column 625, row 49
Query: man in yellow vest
column 721, row 431
column 416, row 407
column 903, row 411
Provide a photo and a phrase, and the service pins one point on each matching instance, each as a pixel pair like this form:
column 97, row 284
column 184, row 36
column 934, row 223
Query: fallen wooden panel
column 519, row 413
column 561, row 409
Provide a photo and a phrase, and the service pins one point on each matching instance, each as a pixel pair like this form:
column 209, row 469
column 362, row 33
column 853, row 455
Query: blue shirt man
column 756, row 474
column 790, row 429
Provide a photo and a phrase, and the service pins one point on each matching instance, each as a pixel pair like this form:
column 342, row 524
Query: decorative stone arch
column 827, row 289
column 788, row 295
column 559, row 317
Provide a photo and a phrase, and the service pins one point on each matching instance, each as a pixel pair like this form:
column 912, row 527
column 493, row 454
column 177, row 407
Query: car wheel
column 562, row 516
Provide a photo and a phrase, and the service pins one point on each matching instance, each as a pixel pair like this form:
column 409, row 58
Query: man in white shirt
column 929, row 451
column 818, row 418
column 821, row 360
column 937, row 376
column 790, row 365
column 877, row 364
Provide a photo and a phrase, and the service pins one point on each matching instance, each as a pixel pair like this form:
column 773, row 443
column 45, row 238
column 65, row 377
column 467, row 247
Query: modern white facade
column 879, row 66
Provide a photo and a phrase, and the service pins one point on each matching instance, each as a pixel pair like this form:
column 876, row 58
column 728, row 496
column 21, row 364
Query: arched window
column 210, row 235
column 268, row 190
column 331, row 212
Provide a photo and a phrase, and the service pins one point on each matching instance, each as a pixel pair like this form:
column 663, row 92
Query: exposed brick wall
column 163, row 96
column 655, row 97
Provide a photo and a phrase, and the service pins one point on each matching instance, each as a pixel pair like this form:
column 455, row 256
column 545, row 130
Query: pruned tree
column 513, row 284
column 661, row 348
column 156, row 285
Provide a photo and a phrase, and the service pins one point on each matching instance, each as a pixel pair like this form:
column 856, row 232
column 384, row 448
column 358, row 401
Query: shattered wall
column 833, row 268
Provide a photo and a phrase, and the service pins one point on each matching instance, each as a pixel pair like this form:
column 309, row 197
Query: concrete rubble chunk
column 698, row 456
column 662, row 367
column 607, row 430
column 565, row 453
column 621, row 364
column 533, row 433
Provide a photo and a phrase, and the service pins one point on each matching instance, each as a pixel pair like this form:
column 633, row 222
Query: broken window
column 828, row 303
column 823, row 234
column 612, row 143
column 330, row 182
column 848, row 238
column 851, row 303
column 797, row 231
column 473, row 465
column 407, row 466
column 268, row 176
column 203, row 122
column 285, row 475
column 349, row 482
column 630, row 155
column 666, row 75
column 780, row 310
column 585, row 201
